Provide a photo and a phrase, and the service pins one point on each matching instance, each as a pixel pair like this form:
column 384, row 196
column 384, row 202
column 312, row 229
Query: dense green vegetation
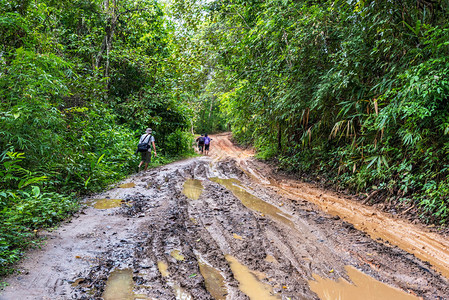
column 80, row 80
column 353, row 90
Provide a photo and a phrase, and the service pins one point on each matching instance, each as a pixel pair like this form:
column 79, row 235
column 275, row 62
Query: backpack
column 201, row 140
column 143, row 147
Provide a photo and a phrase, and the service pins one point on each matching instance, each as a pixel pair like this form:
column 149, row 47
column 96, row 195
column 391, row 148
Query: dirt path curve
column 227, row 227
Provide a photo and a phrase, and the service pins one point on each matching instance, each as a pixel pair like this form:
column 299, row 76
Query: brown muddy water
column 214, row 281
column 127, row 185
column 181, row 294
column 176, row 254
column 415, row 239
column 237, row 237
column 249, row 283
column 119, row 286
column 253, row 202
column 362, row 287
column 192, row 189
column 78, row 281
column 163, row 268
column 107, row 203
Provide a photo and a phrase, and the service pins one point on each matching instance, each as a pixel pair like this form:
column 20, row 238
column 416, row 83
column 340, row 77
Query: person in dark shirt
column 200, row 141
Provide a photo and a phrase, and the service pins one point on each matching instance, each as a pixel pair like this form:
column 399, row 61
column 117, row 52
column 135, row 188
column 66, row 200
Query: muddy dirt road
column 227, row 227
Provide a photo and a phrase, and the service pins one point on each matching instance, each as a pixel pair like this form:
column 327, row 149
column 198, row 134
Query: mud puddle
column 192, row 188
column 415, row 239
column 176, row 254
column 253, row 202
column 214, row 281
column 163, row 268
column 248, row 282
column 181, row 293
column 120, row 286
column 361, row 286
column 127, row 185
column 106, row 203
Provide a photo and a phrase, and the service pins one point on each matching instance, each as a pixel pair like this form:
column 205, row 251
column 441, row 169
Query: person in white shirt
column 146, row 156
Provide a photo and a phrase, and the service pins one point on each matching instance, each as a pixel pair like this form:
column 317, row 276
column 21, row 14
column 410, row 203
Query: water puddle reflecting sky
column 364, row 287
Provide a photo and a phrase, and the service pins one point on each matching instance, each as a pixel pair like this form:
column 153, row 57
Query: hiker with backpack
column 200, row 141
column 144, row 147
column 206, row 144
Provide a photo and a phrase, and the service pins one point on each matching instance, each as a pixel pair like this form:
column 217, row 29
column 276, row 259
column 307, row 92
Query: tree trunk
column 111, row 23
column 210, row 115
column 280, row 138
column 109, row 41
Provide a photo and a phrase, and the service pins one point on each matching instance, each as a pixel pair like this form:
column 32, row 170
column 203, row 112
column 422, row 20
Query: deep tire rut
column 162, row 237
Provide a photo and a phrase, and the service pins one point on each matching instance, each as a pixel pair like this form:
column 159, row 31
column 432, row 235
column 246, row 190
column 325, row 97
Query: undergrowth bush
column 179, row 142
column 72, row 112
column 408, row 178
column 25, row 208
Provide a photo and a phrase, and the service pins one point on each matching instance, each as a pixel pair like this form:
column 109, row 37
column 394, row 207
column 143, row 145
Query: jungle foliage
column 356, row 90
column 80, row 80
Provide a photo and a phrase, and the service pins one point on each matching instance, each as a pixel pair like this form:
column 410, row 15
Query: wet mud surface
column 216, row 228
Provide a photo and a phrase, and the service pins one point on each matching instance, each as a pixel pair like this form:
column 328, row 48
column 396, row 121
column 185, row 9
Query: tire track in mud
column 355, row 248
column 418, row 240
column 219, row 224
column 162, row 238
